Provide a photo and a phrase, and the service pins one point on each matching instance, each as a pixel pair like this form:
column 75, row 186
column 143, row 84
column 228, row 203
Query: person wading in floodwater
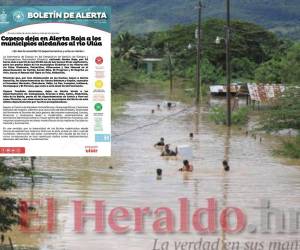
column 159, row 174
column 168, row 152
column 187, row 167
column 160, row 143
column 32, row 159
column 226, row 166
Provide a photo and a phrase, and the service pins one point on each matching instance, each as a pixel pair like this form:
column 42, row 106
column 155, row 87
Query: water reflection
column 196, row 119
column 132, row 180
column 225, row 183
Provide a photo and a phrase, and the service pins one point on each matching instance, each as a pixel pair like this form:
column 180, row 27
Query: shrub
column 239, row 117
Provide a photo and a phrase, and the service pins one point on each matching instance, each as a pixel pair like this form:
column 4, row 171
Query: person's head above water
column 185, row 162
column 159, row 172
column 162, row 139
column 225, row 165
column 191, row 135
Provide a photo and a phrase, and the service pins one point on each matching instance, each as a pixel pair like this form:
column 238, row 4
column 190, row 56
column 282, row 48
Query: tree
column 252, row 45
column 270, row 72
column 282, row 68
column 127, row 48
column 243, row 68
column 291, row 66
column 122, row 73
column 209, row 73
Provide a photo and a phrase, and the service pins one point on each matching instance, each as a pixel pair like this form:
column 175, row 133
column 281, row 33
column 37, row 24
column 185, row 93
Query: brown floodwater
column 255, row 174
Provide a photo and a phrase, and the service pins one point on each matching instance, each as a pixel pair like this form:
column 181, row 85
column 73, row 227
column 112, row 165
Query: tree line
column 257, row 54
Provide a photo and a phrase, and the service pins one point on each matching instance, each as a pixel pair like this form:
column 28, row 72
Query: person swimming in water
column 226, row 166
column 158, row 174
column 168, row 152
column 171, row 105
column 191, row 136
column 187, row 167
column 160, row 143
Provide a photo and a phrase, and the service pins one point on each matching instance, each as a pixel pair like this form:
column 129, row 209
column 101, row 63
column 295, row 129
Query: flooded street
column 255, row 174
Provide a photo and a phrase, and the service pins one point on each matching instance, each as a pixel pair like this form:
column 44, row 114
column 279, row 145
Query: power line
column 152, row 123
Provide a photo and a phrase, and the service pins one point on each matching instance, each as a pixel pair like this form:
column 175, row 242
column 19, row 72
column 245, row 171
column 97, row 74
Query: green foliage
column 8, row 213
column 239, row 117
column 218, row 115
column 284, row 114
column 209, row 73
column 251, row 46
column 291, row 66
column 122, row 73
column 284, row 67
column 243, row 68
column 126, row 47
column 117, row 103
column 290, row 148
column 270, row 72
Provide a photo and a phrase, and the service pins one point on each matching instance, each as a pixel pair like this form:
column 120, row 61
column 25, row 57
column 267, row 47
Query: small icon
column 99, row 74
column 98, row 124
column 18, row 16
column 99, row 60
column 102, row 137
column 98, row 107
column 3, row 17
column 99, row 84
column 100, row 97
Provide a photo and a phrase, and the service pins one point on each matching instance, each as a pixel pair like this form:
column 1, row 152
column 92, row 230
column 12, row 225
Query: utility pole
column 228, row 61
column 198, row 71
column 170, row 66
column 170, row 72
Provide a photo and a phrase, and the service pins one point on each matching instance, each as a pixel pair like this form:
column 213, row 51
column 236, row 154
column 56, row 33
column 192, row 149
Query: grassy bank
column 290, row 148
column 118, row 101
column 122, row 95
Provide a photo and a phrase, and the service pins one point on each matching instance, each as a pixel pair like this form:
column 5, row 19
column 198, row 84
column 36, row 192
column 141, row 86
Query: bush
column 290, row 148
column 239, row 117
column 122, row 73
column 218, row 115
column 270, row 72
column 284, row 114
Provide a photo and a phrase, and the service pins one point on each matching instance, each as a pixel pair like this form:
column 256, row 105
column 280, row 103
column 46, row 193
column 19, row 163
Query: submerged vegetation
column 239, row 117
column 290, row 148
column 284, row 114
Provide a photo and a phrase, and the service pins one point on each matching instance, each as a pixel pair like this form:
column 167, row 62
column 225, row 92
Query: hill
column 281, row 16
